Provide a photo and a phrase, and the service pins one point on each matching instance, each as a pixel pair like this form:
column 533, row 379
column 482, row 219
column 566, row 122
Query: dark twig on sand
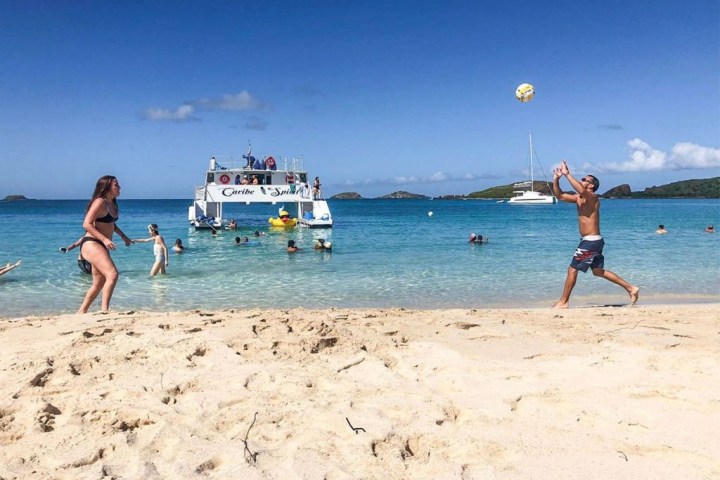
column 625, row 328
column 351, row 365
column 250, row 457
column 356, row 429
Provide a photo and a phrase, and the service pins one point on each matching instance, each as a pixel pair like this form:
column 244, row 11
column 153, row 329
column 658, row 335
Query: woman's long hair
column 102, row 187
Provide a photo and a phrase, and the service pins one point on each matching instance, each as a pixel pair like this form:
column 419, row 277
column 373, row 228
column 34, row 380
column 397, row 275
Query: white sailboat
column 525, row 193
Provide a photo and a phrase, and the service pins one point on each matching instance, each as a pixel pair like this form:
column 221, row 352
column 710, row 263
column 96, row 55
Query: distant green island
column 401, row 194
column 696, row 188
column 14, row 198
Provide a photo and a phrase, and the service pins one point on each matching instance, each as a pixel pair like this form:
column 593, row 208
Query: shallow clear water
column 386, row 253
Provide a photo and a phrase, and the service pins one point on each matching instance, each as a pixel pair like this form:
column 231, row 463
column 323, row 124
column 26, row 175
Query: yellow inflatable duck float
column 283, row 220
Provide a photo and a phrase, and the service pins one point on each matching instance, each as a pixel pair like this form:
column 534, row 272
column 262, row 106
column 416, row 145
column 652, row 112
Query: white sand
column 588, row 393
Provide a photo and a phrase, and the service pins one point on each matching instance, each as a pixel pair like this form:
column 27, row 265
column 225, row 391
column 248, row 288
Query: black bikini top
column 107, row 218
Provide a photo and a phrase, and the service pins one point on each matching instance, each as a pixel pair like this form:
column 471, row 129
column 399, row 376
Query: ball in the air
column 525, row 92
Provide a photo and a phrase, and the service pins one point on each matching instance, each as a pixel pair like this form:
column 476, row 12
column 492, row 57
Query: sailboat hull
column 532, row 198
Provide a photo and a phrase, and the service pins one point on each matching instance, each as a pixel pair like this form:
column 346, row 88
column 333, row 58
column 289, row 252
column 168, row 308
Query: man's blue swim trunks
column 589, row 253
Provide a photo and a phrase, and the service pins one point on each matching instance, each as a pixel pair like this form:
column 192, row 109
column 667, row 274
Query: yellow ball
column 525, row 92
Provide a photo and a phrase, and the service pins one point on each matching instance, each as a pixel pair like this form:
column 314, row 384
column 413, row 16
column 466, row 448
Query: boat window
column 303, row 177
column 210, row 178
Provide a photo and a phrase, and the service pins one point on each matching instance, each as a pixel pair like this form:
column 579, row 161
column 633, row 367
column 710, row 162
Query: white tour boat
column 525, row 193
column 246, row 180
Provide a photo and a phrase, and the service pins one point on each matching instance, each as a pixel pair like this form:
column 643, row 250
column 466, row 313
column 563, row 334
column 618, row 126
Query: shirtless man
column 589, row 252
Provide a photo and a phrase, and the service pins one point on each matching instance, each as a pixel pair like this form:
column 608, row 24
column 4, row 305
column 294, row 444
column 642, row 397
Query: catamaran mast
column 532, row 177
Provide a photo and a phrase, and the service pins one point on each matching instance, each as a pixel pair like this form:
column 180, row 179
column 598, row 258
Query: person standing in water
column 83, row 264
column 101, row 216
column 159, row 250
column 589, row 253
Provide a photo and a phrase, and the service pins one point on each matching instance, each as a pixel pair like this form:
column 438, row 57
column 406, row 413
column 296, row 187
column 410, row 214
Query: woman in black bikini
column 95, row 246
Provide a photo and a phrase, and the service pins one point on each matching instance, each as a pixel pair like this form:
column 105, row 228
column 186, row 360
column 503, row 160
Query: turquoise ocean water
column 387, row 253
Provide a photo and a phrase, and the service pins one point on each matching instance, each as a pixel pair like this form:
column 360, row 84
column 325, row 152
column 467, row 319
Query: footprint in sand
column 46, row 417
column 41, row 378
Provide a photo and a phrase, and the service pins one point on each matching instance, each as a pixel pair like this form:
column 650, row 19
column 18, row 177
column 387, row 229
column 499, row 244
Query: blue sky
column 375, row 96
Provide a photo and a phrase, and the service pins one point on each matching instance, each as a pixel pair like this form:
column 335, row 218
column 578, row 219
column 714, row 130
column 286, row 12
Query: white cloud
column 231, row 102
column 689, row 155
column 437, row 177
column 181, row 114
column 237, row 102
column 644, row 157
column 404, row 180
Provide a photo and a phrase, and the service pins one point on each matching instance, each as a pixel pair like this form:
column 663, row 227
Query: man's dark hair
column 595, row 182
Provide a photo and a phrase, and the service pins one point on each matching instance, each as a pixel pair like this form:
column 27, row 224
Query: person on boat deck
column 661, row 230
column 291, row 248
column 300, row 189
column 159, row 250
column 83, row 264
column 303, row 190
column 250, row 159
column 178, row 247
column 244, row 180
column 232, row 225
column 316, row 188
column 237, row 179
column 255, row 180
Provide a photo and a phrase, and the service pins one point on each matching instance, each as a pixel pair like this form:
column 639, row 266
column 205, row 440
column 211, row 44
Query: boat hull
column 532, row 198
column 316, row 223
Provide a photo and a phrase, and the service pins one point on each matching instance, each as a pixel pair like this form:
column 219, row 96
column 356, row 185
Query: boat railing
column 239, row 162
column 521, row 187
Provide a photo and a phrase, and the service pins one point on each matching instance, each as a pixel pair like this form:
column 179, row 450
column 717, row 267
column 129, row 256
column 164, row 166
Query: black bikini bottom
column 91, row 239
column 83, row 264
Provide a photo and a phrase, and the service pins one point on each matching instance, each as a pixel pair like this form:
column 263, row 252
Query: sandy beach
column 586, row 393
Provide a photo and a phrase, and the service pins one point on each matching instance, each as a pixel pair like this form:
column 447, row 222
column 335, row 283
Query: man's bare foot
column 560, row 305
column 634, row 294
